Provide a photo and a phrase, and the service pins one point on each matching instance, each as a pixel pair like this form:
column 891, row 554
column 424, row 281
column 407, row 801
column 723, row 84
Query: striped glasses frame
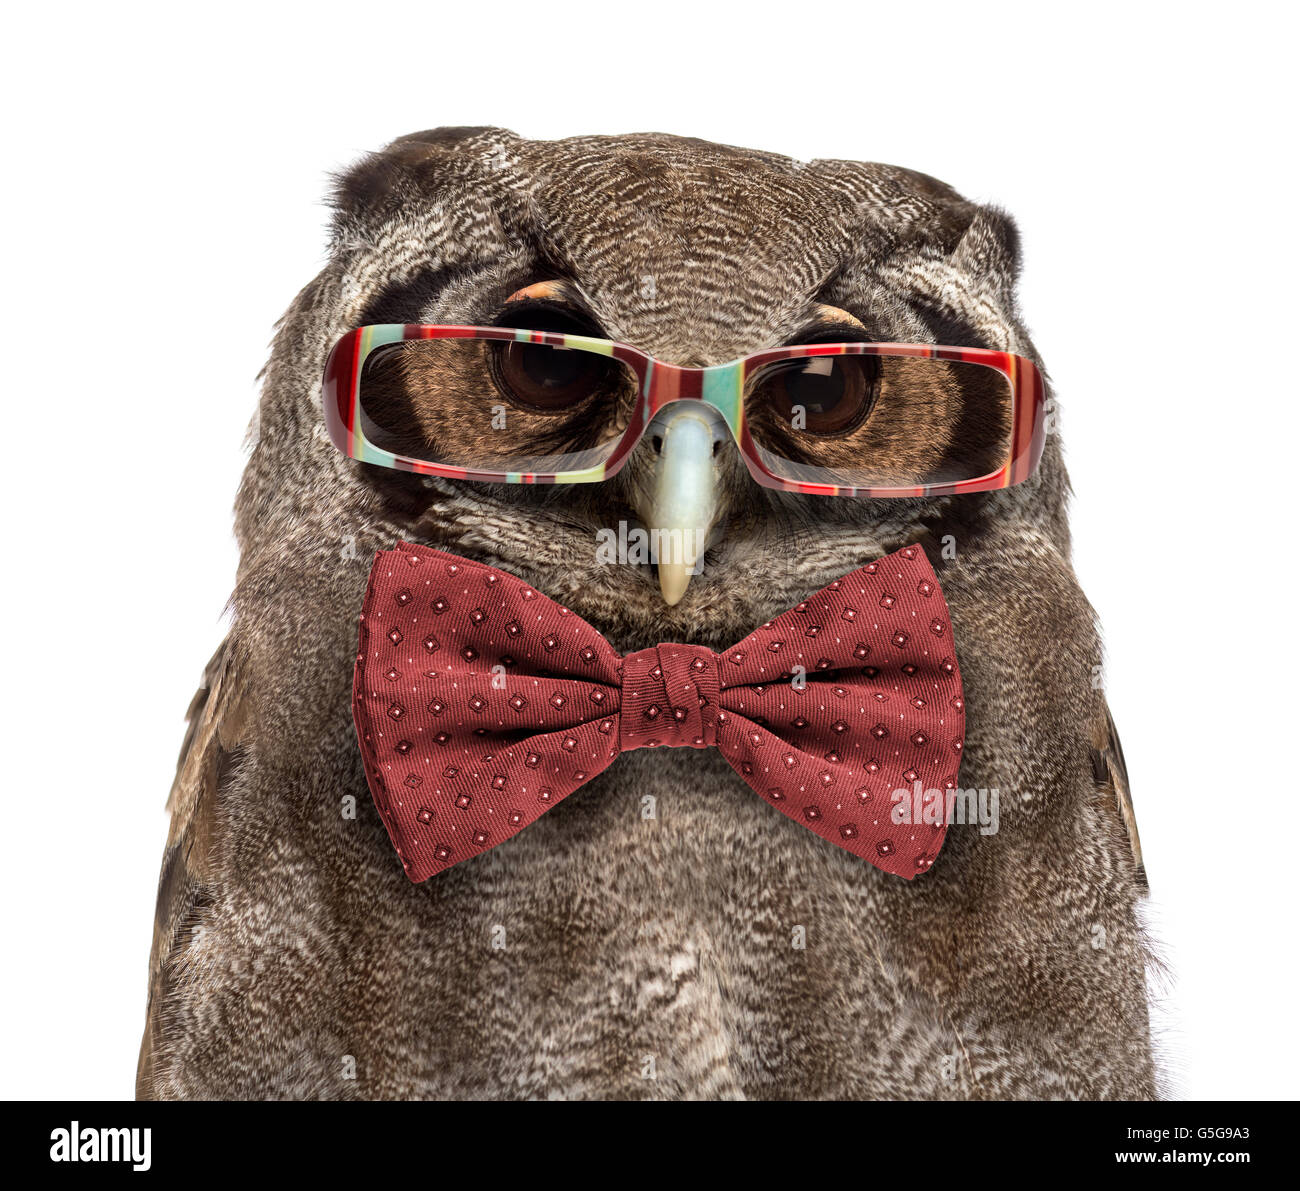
column 722, row 386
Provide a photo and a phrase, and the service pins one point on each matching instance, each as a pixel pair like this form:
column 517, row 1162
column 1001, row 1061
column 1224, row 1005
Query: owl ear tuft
column 380, row 181
column 367, row 184
column 989, row 249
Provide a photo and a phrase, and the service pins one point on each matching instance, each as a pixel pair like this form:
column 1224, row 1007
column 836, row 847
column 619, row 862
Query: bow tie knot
column 670, row 698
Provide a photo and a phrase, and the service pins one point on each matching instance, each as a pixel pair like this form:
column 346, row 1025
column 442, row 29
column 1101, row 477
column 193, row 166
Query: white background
column 165, row 171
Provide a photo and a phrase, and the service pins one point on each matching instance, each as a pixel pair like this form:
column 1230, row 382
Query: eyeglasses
column 538, row 407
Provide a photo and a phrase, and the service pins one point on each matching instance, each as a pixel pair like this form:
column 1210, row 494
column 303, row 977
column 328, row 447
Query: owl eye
column 548, row 379
column 820, row 394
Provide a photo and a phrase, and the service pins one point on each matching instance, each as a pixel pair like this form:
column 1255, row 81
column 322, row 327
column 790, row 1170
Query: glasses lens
column 879, row 421
column 490, row 405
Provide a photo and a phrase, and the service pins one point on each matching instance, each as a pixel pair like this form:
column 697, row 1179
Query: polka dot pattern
column 479, row 704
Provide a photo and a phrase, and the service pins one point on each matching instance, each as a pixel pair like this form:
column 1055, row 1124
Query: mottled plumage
column 292, row 957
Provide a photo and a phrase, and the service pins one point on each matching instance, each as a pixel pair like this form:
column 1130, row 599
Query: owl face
column 696, row 254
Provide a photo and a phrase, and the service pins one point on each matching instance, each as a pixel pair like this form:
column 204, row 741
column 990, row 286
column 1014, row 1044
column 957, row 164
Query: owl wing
column 1109, row 769
column 217, row 719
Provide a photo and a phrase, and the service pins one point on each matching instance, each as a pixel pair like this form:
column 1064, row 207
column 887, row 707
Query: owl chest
column 661, row 932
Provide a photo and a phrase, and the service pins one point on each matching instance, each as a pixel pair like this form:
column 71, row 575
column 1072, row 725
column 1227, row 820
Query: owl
column 706, row 947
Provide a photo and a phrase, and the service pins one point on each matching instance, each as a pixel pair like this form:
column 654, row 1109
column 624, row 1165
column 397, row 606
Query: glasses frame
column 722, row 386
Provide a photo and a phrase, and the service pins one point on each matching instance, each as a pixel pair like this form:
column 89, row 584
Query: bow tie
column 480, row 704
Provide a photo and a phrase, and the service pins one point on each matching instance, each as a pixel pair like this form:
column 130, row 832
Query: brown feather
column 216, row 722
column 1110, row 768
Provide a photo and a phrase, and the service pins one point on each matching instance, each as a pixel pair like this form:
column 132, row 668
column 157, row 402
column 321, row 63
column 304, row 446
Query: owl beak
column 682, row 502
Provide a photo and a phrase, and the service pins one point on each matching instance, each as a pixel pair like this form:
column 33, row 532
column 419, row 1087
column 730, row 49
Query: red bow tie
column 824, row 711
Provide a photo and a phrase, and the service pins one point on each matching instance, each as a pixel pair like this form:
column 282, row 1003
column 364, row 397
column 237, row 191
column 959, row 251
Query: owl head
column 693, row 253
